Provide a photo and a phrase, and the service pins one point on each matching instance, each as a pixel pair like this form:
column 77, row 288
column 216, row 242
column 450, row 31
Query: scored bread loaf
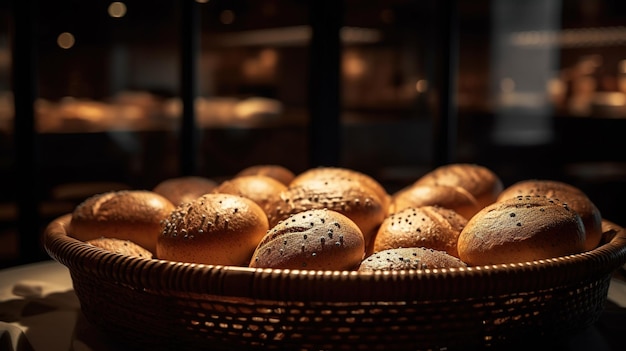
column 133, row 215
column 218, row 229
column 521, row 229
column 574, row 197
column 314, row 239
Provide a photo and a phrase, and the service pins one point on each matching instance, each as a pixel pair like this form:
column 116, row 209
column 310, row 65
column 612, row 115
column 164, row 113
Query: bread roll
column 452, row 197
column 432, row 227
column 346, row 196
column 609, row 230
column 478, row 180
column 575, row 198
column 133, row 215
column 217, row 229
column 184, row 189
column 122, row 247
column 409, row 258
column 258, row 188
column 521, row 229
column 316, row 239
column 278, row 172
column 330, row 174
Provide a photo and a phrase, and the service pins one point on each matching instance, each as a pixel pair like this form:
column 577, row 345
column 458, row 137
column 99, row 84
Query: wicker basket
column 166, row 305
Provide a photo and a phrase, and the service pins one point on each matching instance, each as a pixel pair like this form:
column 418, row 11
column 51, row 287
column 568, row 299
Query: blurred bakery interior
column 103, row 95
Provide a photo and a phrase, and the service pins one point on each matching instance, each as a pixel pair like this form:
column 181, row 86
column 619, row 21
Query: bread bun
column 452, row 197
column 575, row 198
column 122, row 247
column 133, row 215
column 432, row 227
column 521, row 229
column 332, row 173
column 316, row 239
column 478, row 180
column 258, row 188
column 184, row 189
column 346, row 196
column 218, row 229
column 406, row 258
column 278, row 172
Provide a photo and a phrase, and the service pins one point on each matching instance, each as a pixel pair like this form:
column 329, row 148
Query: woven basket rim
column 178, row 278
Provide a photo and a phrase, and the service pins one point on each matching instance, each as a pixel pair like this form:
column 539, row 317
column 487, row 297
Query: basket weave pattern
column 169, row 305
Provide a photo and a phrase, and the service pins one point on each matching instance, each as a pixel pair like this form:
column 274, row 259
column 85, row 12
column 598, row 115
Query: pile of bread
column 331, row 218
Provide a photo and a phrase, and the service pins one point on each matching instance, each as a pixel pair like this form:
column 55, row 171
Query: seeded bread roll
column 478, row 180
column 316, row 239
column 521, row 229
column 432, row 227
column 278, row 172
column 346, row 196
column 609, row 230
column 405, row 258
column 184, row 189
column 452, row 197
column 332, row 173
column 575, row 198
column 217, row 229
column 258, row 188
column 122, row 247
column 133, row 215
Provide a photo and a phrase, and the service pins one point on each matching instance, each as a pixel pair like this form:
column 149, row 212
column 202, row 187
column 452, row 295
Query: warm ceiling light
column 117, row 9
column 65, row 40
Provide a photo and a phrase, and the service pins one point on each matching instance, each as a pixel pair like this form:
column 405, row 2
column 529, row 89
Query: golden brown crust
column 521, row 229
column 575, row 198
column 452, row 197
column 184, row 189
column 343, row 195
column 133, row 215
column 332, row 173
column 218, row 229
column 413, row 258
column 316, row 239
column 258, row 188
column 432, row 227
column 278, row 172
column 478, row 180
column 122, row 247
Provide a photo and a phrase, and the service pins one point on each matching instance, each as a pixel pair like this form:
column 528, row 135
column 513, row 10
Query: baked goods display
column 134, row 215
column 333, row 218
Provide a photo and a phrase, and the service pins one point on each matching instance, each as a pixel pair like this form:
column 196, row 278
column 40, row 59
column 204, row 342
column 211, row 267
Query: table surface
column 39, row 311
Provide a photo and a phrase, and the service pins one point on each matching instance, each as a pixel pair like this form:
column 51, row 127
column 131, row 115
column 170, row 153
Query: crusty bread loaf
column 432, row 227
column 317, row 239
column 344, row 195
column 575, row 198
column 218, row 229
column 480, row 181
column 521, row 229
column 133, row 215
column 452, row 197
column 258, row 188
column 184, row 189
column 409, row 258
column 122, row 247
column 278, row 172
